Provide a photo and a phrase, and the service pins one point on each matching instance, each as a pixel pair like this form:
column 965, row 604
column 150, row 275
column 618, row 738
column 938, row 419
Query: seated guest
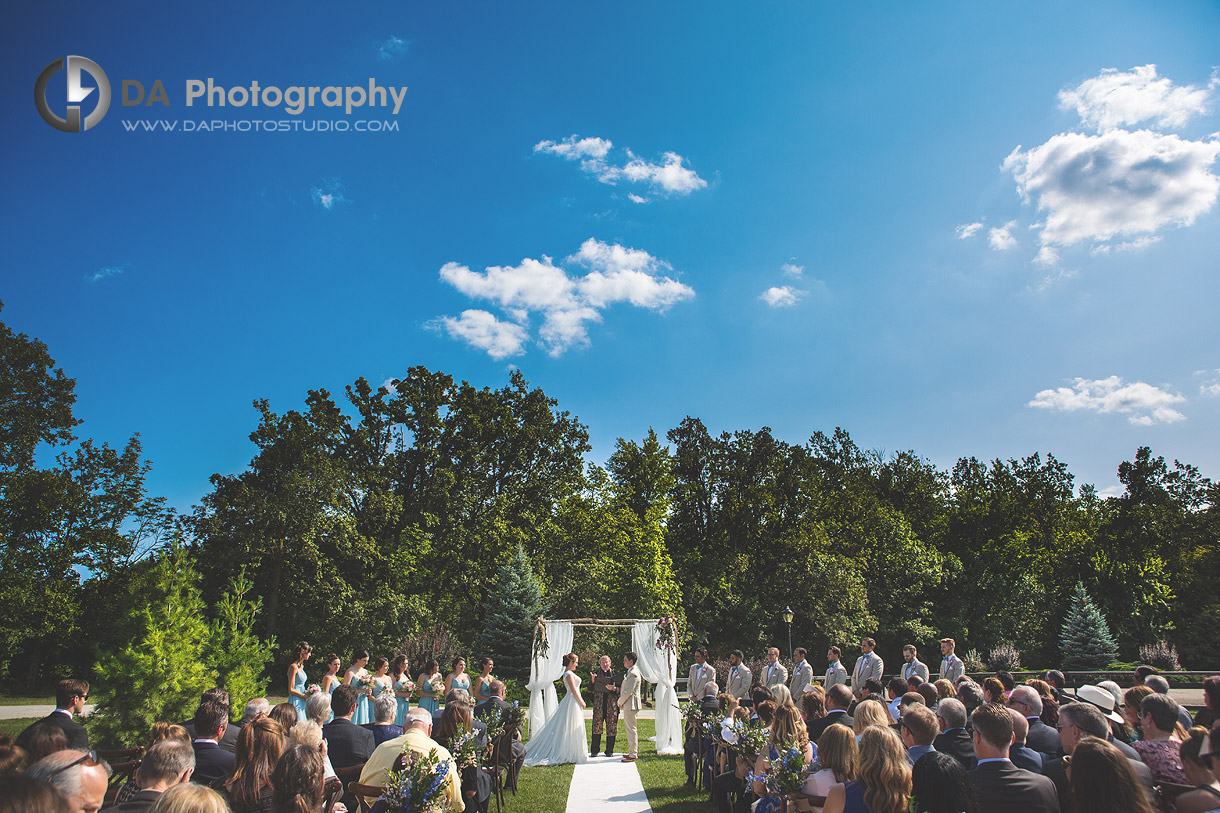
column 1142, row 672
column 1159, row 746
column 1021, row 754
column 1133, row 699
column 787, row 731
column 839, row 756
column 317, row 708
column 993, row 691
column 255, row 709
column 1050, row 706
column 1160, row 685
column 1041, row 736
column 838, row 700
column 870, row 713
column 953, row 739
column 759, row 694
column 1103, row 701
column 1008, row 681
column 166, row 763
column 80, row 778
column 1076, row 721
column 285, row 714
column 160, row 731
column 813, row 704
column 913, row 682
column 455, row 695
column 870, row 689
column 764, row 712
column 229, row 740
column 883, row 780
column 944, row 689
column 347, row 743
column 383, row 728
column 498, row 704
column 1210, row 712
column 1058, row 684
column 896, row 688
column 931, row 697
column 12, row 759
column 309, row 734
column 259, row 746
column 211, row 761
column 939, row 784
column 1001, row 786
column 190, row 798
column 25, row 794
column 456, row 720
column 783, row 697
column 1198, row 769
column 44, row 739
column 919, row 730
column 1103, row 782
column 298, row 780
column 971, row 695
column 70, row 697
column 906, row 702
column 416, row 737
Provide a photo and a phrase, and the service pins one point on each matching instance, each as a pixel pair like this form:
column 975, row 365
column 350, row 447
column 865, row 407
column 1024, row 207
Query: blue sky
column 1004, row 221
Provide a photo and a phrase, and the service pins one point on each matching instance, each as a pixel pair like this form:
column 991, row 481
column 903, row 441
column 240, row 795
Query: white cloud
column 483, row 330
column 1144, row 404
column 392, row 48
column 1001, row 238
column 388, row 386
column 567, row 303
column 328, row 195
column 1116, row 99
column 967, row 230
column 1210, row 388
column 634, row 198
column 1117, row 184
column 103, row 273
column 670, row 176
column 1138, row 244
column 1111, row 491
column 792, row 269
column 783, row 296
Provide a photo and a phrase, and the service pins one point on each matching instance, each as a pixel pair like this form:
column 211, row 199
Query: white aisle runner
column 607, row 785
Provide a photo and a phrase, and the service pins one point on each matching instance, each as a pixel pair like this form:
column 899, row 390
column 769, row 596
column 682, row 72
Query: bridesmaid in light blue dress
column 482, row 681
column 330, row 680
column 358, row 676
column 296, row 679
column 402, row 689
column 457, row 679
column 382, row 683
column 431, row 687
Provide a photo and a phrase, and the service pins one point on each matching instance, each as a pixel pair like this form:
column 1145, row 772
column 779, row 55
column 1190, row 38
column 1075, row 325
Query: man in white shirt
column 868, row 666
column 913, row 666
column 701, row 673
column 836, row 674
column 951, row 666
column 740, row 678
column 802, row 675
column 774, row 673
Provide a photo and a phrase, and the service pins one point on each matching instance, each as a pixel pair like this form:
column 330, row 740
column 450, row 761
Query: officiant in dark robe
column 606, row 684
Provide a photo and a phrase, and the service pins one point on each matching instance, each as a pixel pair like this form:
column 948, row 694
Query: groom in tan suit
column 629, row 702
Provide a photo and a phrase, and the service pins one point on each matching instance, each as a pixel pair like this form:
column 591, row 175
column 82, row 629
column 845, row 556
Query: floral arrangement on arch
column 417, row 784
column 541, row 645
column 667, row 634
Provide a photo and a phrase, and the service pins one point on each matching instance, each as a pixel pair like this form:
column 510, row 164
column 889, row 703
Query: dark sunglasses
column 90, row 757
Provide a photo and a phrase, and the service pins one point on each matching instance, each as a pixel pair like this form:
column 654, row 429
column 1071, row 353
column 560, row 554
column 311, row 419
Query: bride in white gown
column 562, row 740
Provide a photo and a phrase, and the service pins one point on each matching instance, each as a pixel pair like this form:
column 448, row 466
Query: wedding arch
column 658, row 662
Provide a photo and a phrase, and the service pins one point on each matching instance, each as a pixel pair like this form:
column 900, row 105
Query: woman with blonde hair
column 783, row 697
column 309, row 735
column 839, row 757
column 259, row 746
column 871, row 713
column 189, row 798
column 787, row 731
column 883, row 780
column 160, row 731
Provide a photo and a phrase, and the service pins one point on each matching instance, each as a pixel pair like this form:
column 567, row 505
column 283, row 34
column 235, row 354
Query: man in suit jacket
column 499, row 705
column 838, row 699
column 228, row 740
column 919, row 729
column 868, row 666
column 70, row 697
column 912, row 665
column 1041, row 737
column 347, row 744
column 953, row 739
column 740, row 678
column 1001, row 786
column 951, row 666
column 802, row 675
column 211, row 761
column 1021, row 754
column 774, row 673
column 165, row 764
column 1103, row 701
column 701, row 673
column 1077, row 721
column 836, row 673
column 629, row 702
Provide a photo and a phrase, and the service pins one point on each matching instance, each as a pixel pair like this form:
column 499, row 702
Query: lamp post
column 788, row 620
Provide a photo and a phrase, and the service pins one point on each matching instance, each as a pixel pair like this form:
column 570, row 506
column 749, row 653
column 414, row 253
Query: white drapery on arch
column 660, row 666
column 545, row 670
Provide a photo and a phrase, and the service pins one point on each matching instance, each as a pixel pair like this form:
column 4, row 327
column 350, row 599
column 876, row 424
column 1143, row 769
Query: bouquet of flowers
column 667, row 629
column 312, row 688
column 752, row 739
column 786, row 774
column 465, row 750
column 693, row 716
column 494, row 721
column 406, row 685
column 515, row 717
column 417, row 784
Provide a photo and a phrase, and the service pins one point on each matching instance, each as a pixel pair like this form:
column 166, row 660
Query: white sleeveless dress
column 562, row 739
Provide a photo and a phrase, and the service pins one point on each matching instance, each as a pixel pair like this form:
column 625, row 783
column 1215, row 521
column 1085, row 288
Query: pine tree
column 1085, row 639
column 511, row 610
column 235, row 652
column 161, row 672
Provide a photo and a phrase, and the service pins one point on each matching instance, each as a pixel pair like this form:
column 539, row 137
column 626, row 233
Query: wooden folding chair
column 366, row 795
column 124, row 764
column 332, row 790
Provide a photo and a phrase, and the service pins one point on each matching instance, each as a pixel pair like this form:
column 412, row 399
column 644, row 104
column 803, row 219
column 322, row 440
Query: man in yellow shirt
column 416, row 736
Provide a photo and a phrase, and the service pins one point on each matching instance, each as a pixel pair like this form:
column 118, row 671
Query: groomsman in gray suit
column 629, row 702
column 836, row 675
column 913, row 666
column 774, row 673
column 802, row 675
column 740, row 677
column 701, row 673
column 868, row 666
column 951, row 666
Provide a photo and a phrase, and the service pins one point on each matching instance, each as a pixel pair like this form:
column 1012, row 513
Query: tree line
column 430, row 504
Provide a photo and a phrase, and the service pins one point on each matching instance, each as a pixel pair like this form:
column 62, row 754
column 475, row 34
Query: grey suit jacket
column 867, row 666
column 802, row 679
column 952, row 668
column 836, row 673
column 629, row 692
column 739, row 681
column 774, row 674
column 915, row 667
column 698, row 678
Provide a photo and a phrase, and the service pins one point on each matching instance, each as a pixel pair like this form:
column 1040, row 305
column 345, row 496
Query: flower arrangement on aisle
column 417, row 784
column 667, row 634
column 465, row 750
column 694, row 717
column 752, row 739
column 786, row 774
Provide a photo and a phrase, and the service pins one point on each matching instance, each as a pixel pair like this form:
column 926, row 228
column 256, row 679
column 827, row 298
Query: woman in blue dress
column 457, row 679
column 431, row 687
column 402, row 688
column 331, row 679
column 481, row 690
column 356, row 675
column 787, row 731
column 382, row 683
column 296, row 678
column 883, row 778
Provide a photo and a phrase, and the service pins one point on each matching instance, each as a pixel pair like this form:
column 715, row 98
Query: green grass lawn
column 6, row 700
column 15, row 727
column 545, row 790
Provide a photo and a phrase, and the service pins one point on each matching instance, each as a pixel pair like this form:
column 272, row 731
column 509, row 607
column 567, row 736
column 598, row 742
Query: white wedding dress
column 562, row 739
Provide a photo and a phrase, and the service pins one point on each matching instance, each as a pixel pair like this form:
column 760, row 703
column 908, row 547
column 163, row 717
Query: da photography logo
column 74, row 65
